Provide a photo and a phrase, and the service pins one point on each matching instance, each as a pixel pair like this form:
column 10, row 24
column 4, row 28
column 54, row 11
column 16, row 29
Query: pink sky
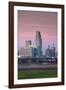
column 30, row 21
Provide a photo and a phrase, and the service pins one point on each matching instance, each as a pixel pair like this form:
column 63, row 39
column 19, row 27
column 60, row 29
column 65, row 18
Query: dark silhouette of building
column 38, row 39
column 50, row 52
column 53, row 51
column 38, row 43
column 28, row 42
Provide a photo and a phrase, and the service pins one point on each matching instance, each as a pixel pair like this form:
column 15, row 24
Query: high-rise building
column 28, row 43
column 38, row 39
column 26, row 52
column 50, row 52
column 38, row 42
column 53, row 51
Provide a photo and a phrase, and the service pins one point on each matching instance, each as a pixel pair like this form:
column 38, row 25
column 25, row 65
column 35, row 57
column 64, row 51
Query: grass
column 37, row 74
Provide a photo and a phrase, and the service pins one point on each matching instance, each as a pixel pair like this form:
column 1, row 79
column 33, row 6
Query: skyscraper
column 53, row 51
column 50, row 52
column 28, row 43
column 38, row 42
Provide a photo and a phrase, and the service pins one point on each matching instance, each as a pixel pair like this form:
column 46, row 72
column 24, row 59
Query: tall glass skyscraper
column 38, row 42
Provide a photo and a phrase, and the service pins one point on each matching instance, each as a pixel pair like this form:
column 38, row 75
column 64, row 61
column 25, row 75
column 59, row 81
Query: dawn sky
column 30, row 21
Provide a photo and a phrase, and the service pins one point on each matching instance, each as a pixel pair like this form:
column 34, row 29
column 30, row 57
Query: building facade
column 26, row 52
column 38, row 42
column 50, row 52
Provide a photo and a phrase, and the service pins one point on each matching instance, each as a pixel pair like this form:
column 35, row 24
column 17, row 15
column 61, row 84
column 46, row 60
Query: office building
column 38, row 42
column 28, row 43
column 25, row 52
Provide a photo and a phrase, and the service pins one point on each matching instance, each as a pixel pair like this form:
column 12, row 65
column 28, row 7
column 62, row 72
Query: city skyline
column 29, row 22
column 35, row 50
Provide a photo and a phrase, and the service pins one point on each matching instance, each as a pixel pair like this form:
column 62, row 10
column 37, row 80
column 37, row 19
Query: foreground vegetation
column 37, row 74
